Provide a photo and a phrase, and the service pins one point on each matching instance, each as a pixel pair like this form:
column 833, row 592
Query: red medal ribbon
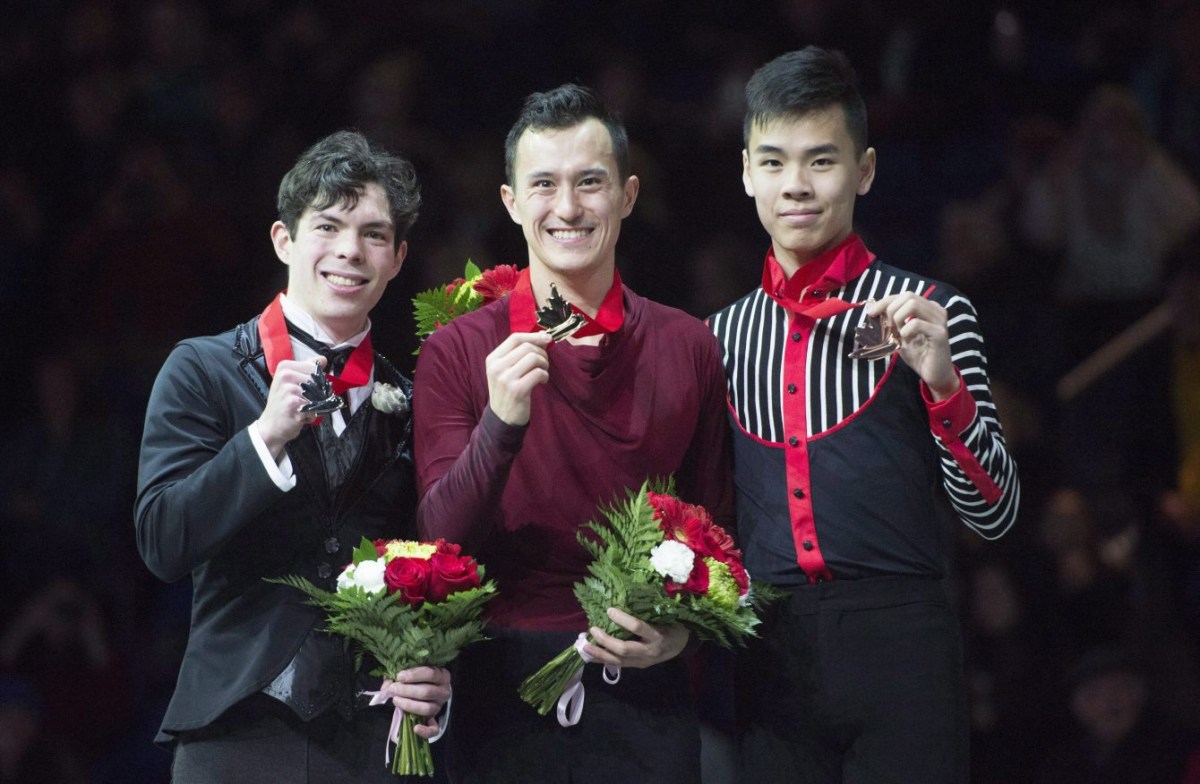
column 522, row 309
column 277, row 346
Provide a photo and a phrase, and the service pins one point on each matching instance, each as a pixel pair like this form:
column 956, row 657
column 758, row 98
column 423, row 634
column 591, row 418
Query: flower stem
column 544, row 687
column 413, row 757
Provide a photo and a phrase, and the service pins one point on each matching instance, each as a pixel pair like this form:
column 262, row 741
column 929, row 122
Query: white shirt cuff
column 281, row 473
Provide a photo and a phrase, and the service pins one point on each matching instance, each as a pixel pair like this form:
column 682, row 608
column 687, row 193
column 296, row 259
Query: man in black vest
column 237, row 483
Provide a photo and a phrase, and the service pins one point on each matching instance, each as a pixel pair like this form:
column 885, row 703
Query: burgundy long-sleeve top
column 649, row 401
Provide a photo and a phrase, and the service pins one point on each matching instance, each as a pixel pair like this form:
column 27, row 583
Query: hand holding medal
column 318, row 391
column 917, row 328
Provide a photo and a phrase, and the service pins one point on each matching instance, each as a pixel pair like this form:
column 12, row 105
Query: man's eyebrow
column 595, row 171
column 820, row 149
column 326, row 217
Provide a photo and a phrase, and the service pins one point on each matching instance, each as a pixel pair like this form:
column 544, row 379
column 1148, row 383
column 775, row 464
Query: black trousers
column 642, row 729
column 261, row 740
column 855, row 682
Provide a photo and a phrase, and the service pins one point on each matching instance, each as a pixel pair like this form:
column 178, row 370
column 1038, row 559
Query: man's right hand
column 514, row 369
column 282, row 420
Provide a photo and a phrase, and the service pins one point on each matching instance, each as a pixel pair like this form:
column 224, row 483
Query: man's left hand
column 422, row 691
column 650, row 644
column 924, row 339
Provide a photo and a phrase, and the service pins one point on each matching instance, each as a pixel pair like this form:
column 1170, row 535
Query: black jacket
column 206, row 506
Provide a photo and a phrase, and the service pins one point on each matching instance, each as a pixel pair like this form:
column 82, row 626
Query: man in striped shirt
column 847, row 467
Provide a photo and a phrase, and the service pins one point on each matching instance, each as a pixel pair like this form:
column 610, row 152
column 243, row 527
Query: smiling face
column 804, row 176
column 341, row 260
column 568, row 197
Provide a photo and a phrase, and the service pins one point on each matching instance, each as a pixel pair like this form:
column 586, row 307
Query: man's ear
column 398, row 261
column 747, row 183
column 281, row 238
column 632, row 184
column 866, row 171
column 509, row 197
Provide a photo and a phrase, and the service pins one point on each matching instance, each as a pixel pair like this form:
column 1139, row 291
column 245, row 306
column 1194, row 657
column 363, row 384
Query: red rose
column 450, row 548
column 496, row 282
column 408, row 577
column 450, row 573
column 380, row 547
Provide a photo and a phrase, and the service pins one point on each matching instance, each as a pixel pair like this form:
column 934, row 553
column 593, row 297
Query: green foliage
column 396, row 634
column 365, row 551
column 620, row 575
column 440, row 305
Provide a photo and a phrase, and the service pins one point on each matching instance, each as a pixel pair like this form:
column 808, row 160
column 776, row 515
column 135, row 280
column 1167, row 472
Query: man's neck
column 332, row 333
column 790, row 263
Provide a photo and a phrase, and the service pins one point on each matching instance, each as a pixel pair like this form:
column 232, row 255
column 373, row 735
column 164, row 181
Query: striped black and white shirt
column 844, row 467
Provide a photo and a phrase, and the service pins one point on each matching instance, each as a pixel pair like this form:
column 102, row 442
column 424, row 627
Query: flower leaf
column 365, row 551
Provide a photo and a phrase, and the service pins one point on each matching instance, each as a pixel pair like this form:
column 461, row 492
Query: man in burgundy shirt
column 519, row 438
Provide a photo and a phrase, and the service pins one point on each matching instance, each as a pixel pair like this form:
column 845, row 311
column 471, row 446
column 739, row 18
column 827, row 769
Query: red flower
column 697, row 582
column 449, row 548
column 669, row 511
column 380, row 547
column 692, row 525
column 739, row 575
column 710, row 539
column 408, row 577
column 451, row 573
column 494, row 283
column 454, row 284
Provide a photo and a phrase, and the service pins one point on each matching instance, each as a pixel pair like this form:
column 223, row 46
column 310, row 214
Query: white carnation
column 368, row 575
column 346, row 579
column 672, row 559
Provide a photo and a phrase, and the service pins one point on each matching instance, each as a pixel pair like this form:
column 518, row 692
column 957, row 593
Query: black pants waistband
column 865, row 594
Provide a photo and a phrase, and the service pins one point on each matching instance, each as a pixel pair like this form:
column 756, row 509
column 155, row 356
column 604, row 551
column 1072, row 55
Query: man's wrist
column 278, row 468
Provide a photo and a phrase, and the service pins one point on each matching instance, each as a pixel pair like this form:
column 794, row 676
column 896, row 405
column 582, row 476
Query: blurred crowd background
column 1043, row 156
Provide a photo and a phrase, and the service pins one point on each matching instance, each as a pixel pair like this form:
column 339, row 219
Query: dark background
column 144, row 141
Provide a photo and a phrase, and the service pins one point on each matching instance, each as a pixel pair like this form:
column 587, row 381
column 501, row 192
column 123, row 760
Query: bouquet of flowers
column 407, row 604
column 473, row 290
column 663, row 561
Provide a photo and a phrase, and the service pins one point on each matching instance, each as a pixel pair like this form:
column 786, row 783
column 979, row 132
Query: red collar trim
column 522, row 309
column 277, row 346
column 807, row 291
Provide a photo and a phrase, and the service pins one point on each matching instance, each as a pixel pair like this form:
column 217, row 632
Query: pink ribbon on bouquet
column 570, row 702
column 379, row 698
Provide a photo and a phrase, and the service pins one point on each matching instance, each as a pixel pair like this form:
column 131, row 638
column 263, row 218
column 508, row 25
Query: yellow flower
column 404, row 549
column 722, row 588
